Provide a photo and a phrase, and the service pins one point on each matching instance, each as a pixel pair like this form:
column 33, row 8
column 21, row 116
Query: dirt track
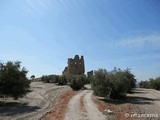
column 90, row 111
column 35, row 104
column 62, row 105
column 142, row 101
column 148, row 100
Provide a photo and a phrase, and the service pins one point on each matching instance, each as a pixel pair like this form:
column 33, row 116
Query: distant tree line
column 13, row 80
column 151, row 83
column 76, row 82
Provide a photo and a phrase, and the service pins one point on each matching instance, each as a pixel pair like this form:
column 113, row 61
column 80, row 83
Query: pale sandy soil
column 58, row 111
column 85, row 106
column 35, row 104
column 51, row 102
column 90, row 111
column 142, row 101
column 147, row 101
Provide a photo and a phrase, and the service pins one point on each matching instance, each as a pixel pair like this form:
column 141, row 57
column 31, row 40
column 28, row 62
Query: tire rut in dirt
column 75, row 112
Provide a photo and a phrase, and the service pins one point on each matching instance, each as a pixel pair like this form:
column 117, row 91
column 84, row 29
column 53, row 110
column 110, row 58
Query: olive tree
column 114, row 84
column 13, row 80
column 101, row 83
column 32, row 77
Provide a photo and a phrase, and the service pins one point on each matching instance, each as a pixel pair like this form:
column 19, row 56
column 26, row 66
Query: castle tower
column 75, row 66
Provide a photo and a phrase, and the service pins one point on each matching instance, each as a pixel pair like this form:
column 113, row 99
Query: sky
column 43, row 34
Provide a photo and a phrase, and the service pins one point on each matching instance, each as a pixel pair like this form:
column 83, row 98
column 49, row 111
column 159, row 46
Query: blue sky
column 43, row 34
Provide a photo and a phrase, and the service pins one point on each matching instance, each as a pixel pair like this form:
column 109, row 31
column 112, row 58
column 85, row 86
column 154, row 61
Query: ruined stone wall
column 90, row 74
column 75, row 66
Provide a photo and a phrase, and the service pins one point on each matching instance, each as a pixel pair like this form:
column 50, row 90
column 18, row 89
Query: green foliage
column 152, row 84
column 50, row 78
column 114, row 84
column 13, row 81
column 32, row 77
column 144, row 84
column 77, row 81
column 46, row 78
column 62, row 80
column 101, row 83
column 122, row 82
column 155, row 83
column 56, row 78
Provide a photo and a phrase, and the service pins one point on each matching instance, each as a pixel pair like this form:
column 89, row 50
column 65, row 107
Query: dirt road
column 49, row 98
column 148, row 100
column 35, row 104
column 82, row 107
column 141, row 102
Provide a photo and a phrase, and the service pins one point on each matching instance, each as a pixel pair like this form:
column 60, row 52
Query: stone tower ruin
column 90, row 74
column 75, row 66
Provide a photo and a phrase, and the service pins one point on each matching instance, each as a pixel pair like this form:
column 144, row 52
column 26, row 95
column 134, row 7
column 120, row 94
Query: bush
column 56, row 78
column 62, row 80
column 122, row 83
column 144, row 84
column 50, row 78
column 101, row 83
column 151, row 83
column 155, row 83
column 46, row 78
column 77, row 81
column 114, row 84
column 13, row 81
column 32, row 77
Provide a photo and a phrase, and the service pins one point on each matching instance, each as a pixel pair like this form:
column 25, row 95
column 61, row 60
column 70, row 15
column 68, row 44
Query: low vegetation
column 32, row 77
column 151, row 83
column 60, row 80
column 13, row 80
column 114, row 84
column 76, row 82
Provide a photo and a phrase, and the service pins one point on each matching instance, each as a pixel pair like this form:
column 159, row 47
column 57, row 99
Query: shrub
column 122, row 82
column 13, row 81
column 155, row 83
column 56, row 78
column 151, row 83
column 114, row 84
column 144, row 84
column 46, row 78
column 50, row 78
column 77, row 81
column 62, row 80
column 101, row 83
column 32, row 77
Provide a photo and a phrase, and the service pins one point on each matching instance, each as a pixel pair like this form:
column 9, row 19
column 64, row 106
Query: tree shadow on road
column 13, row 108
column 138, row 91
column 132, row 100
